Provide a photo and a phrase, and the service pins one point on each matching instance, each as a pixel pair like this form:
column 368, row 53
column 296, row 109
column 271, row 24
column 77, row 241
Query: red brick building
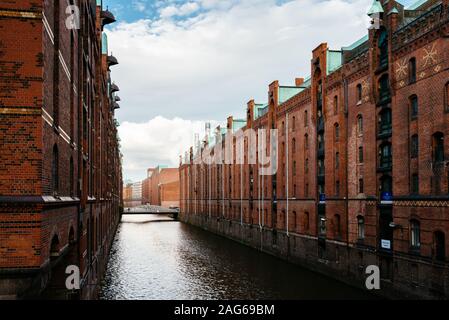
column 60, row 164
column 161, row 187
column 362, row 169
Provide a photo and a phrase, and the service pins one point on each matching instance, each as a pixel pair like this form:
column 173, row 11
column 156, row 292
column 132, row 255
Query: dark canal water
column 153, row 258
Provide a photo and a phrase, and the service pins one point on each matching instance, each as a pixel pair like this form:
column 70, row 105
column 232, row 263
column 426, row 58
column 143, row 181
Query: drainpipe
column 287, row 167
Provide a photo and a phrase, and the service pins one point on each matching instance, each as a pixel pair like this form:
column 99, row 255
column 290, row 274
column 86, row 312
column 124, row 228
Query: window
column 384, row 89
column 414, row 107
column 294, row 168
column 383, row 48
column 386, row 184
column 337, row 131
column 415, row 184
column 385, row 156
column 55, row 170
column 414, row 146
column 294, row 124
column 337, row 160
column 294, row 145
column 294, row 191
column 337, row 221
column 438, row 147
column 385, row 121
column 359, row 93
column 360, row 228
column 415, row 240
column 320, row 141
column 320, row 167
column 322, row 225
column 361, row 186
column 306, row 142
column 306, row 166
column 306, row 190
column 412, row 70
column 306, row 221
column 336, row 105
column 337, row 188
column 306, row 119
column 439, row 244
column 360, row 154
column 360, row 125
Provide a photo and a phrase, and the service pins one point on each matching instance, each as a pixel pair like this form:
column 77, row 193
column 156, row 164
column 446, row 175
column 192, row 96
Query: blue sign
column 386, row 196
column 322, row 197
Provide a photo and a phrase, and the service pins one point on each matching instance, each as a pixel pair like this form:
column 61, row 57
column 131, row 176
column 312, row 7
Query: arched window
column 361, row 186
column 306, row 221
column 359, row 93
column 439, row 244
column 360, row 154
column 337, row 222
column 306, row 141
column 337, row 131
column 54, row 247
column 360, row 227
column 414, row 146
column 383, row 48
column 415, row 234
column 414, row 107
column 306, row 118
column 55, row 170
column 438, row 147
column 294, row 124
column 385, row 156
column 360, row 125
column 336, row 105
column 412, row 70
column 293, row 145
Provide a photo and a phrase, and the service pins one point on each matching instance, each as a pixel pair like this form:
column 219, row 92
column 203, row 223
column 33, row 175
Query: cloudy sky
column 185, row 62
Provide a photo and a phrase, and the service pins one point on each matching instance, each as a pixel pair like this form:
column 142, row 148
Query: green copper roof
column 375, row 8
column 104, row 44
column 356, row 44
column 394, row 10
column 285, row 93
column 99, row 2
column 238, row 124
column 260, row 110
column 416, row 5
column 334, row 60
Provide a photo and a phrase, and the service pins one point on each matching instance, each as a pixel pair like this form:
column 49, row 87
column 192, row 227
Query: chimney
column 299, row 82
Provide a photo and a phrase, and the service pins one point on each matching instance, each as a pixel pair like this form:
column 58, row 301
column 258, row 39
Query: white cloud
column 207, row 66
column 158, row 141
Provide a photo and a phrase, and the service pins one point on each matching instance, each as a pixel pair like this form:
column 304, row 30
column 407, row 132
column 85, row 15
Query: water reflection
column 155, row 258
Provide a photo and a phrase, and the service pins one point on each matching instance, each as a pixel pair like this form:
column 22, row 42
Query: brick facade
column 363, row 161
column 161, row 187
column 60, row 165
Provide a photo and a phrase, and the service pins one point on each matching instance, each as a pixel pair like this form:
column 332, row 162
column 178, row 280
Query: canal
column 155, row 258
